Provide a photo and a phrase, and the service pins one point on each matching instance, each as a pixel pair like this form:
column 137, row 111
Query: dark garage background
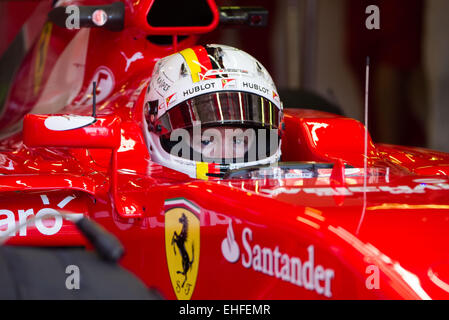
column 321, row 46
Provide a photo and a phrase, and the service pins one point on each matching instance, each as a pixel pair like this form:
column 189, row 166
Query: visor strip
column 219, row 107
column 271, row 116
column 263, row 111
column 241, row 107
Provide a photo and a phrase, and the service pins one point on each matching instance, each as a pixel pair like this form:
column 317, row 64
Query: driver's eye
column 205, row 142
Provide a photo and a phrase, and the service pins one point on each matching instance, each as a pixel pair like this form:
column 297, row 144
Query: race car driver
column 210, row 109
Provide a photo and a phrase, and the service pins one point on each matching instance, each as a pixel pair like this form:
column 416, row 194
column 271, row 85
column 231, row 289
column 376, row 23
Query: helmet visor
column 222, row 108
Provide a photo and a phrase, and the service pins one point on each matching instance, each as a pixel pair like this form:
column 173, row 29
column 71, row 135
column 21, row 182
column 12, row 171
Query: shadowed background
column 322, row 45
column 316, row 50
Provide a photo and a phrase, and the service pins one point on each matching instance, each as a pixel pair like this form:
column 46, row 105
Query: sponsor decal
column 255, row 86
column 231, row 84
column 162, row 84
column 182, row 245
column 228, row 83
column 47, row 221
column 349, row 191
column 136, row 56
column 229, row 246
column 170, row 99
column 223, row 72
column 275, row 96
column 299, row 271
column 199, row 88
column 430, row 181
column 99, row 17
column 68, row 122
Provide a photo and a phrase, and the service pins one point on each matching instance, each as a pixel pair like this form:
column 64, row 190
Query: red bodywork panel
column 295, row 238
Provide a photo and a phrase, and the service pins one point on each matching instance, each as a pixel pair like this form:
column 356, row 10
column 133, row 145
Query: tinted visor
column 222, row 108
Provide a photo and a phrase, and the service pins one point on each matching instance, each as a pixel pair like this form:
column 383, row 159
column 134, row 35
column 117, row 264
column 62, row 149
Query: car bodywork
column 328, row 229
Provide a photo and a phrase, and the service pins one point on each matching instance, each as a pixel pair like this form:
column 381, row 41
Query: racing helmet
column 210, row 109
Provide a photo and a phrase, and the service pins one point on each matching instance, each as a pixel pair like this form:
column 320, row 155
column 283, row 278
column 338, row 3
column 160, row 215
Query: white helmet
column 208, row 90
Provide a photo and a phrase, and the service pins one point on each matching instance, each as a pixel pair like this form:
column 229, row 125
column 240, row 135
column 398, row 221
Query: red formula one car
column 330, row 221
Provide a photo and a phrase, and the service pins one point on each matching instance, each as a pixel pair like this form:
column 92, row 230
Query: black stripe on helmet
column 215, row 55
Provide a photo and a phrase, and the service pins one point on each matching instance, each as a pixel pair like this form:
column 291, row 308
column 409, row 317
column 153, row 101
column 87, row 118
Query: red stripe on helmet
column 203, row 59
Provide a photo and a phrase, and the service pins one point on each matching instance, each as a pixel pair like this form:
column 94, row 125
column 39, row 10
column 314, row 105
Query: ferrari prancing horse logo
column 182, row 245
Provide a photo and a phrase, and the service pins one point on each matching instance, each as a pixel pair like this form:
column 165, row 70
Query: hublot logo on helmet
column 199, row 88
column 255, row 86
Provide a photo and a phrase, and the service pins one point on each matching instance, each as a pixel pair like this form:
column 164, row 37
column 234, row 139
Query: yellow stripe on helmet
column 193, row 63
column 201, row 169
